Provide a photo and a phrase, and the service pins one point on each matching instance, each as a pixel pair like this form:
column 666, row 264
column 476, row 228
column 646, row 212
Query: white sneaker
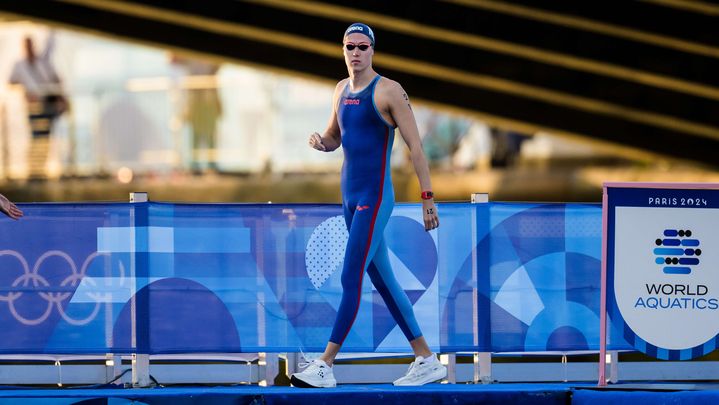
column 423, row 371
column 317, row 374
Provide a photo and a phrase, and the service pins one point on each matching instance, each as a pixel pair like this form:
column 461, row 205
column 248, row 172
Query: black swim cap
column 361, row 29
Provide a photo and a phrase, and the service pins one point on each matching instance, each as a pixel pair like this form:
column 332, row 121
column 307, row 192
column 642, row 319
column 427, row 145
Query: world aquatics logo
column 677, row 251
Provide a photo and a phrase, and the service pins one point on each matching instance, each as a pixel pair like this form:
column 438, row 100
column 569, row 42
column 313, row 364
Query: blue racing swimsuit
column 367, row 200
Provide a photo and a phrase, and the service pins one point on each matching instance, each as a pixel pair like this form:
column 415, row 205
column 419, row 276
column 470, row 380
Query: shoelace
column 305, row 363
column 412, row 366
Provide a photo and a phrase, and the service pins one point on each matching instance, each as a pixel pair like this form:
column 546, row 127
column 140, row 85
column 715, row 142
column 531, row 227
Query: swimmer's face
column 360, row 56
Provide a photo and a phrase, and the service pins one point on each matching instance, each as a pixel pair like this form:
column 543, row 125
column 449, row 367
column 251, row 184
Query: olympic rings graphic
column 56, row 299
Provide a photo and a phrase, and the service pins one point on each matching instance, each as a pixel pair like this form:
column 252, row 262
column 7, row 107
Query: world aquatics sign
column 662, row 266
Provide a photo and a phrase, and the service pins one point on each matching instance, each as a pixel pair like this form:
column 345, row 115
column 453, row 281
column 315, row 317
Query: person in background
column 366, row 110
column 45, row 99
column 202, row 110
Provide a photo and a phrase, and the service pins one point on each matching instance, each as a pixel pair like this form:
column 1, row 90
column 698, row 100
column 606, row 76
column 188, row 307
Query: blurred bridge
column 639, row 74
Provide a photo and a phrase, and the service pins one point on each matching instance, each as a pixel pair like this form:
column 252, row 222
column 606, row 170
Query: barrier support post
column 140, row 332
column 483, row 368
column 113, row 367
column 613, row 360
column 269, row 368
column 140, row 370
column 450, row 360
column 482, row 361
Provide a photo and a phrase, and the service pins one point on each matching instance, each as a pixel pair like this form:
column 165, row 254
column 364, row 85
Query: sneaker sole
column 438, row 378
column 296, row 382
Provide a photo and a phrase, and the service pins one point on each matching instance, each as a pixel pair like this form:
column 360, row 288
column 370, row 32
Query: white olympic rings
column 40, row 283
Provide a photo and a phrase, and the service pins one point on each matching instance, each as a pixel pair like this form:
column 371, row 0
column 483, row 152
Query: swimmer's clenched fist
column 316, row 142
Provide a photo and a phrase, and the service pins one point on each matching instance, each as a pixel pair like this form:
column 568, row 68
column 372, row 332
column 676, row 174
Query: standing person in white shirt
column 43, row 92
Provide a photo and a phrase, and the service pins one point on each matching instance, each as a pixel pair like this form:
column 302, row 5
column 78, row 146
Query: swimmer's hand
column 316, row 142
column 430, row 215
column 9, row 209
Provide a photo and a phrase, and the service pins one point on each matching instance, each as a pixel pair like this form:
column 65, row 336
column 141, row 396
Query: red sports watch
column 427, row 195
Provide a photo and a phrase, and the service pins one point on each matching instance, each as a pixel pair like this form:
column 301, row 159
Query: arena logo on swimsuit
column 351, row 101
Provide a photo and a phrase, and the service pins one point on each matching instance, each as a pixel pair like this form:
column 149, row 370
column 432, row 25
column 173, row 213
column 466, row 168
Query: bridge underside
column 640, row 74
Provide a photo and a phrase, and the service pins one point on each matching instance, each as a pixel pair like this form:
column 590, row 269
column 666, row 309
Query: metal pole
column 603, row 296
column 140, row 361
column 482, row 361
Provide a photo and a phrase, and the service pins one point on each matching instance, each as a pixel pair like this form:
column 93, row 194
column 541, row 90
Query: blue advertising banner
column 543, row 273
column 180, row 278
column 662, row 264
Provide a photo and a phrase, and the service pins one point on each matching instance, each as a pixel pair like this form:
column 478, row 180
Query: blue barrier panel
column 173, row 278
column 52, row 299
column 544, row 265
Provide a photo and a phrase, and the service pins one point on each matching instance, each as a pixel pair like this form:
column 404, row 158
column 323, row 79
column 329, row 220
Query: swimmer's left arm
column 401, row 111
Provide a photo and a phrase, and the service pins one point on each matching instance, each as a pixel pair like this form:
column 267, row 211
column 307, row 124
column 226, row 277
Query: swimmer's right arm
column 331, row 139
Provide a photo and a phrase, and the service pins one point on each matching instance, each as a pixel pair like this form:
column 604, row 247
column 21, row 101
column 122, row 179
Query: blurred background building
column 524, row 100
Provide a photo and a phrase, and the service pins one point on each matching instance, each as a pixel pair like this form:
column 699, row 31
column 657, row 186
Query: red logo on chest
column 351, row 101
